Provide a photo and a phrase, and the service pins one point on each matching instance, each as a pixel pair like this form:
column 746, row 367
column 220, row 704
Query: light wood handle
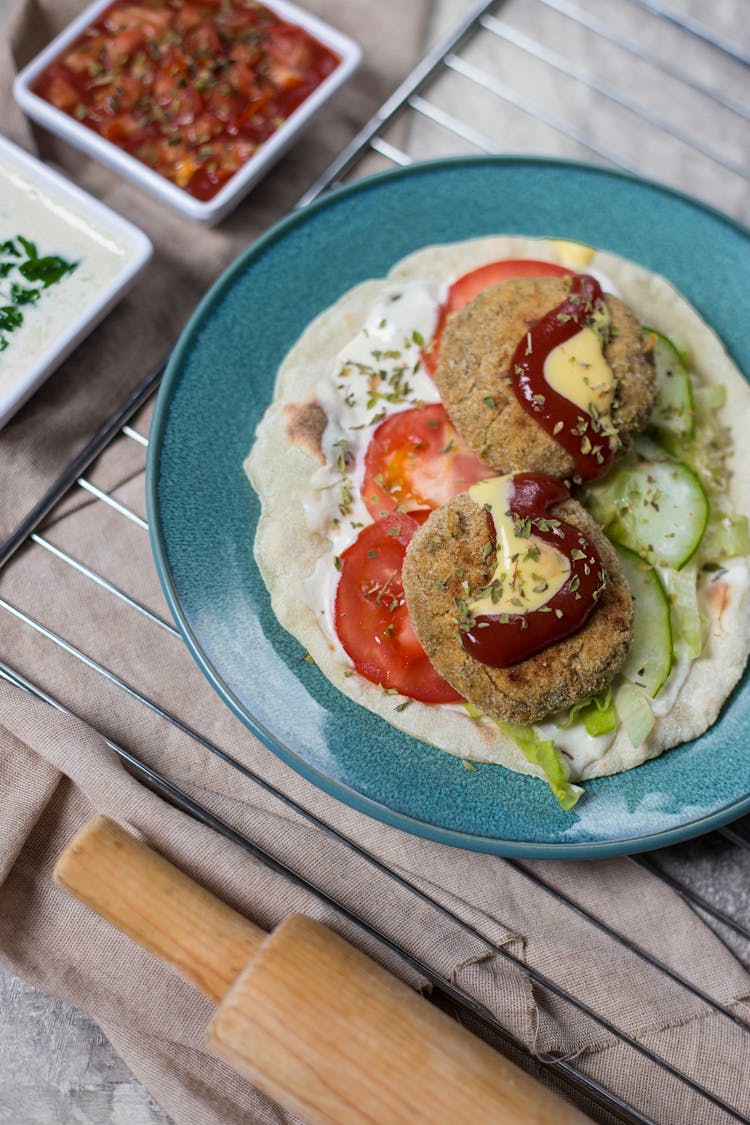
column 160, row 907
column 312, row 1021
column 339, row 1040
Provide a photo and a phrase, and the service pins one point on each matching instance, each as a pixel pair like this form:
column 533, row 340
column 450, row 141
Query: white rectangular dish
column 65, row 261
column 212, row 68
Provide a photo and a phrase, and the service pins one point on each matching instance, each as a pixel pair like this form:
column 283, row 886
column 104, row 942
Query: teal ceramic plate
column 203, row 512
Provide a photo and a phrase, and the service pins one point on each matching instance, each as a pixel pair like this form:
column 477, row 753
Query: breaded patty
column 445, row 555
column 473, row 375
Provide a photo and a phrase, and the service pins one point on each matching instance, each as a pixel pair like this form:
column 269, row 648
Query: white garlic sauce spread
column 389, row 343
column 55, row 229
column 355, row 401
column 578, row 747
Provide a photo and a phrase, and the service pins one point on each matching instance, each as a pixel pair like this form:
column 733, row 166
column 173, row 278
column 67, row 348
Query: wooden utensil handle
column 311, row 1020
column 160, row 907
column 336, row 1038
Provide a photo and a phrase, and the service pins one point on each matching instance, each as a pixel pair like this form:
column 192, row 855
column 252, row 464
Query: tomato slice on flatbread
column 372, row 621
column 416, row 459
column 473, row 283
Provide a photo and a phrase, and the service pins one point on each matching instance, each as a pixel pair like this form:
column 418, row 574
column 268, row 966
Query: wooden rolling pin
column 306, row 1017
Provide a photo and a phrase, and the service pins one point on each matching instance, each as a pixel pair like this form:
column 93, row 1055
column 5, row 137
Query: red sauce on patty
column 575, row 429
column 508, row 638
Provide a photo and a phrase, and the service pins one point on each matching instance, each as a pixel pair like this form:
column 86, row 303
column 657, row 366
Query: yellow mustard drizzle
column 578, row 370
column 528, row 571
column 575, row 255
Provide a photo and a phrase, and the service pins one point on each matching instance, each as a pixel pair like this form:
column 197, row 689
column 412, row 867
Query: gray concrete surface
column 56, row 1066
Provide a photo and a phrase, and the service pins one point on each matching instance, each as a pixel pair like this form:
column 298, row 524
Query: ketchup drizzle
column 575, row 429
column 505, row 639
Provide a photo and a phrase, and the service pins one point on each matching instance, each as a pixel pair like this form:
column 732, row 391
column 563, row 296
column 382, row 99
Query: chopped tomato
column 203, row 40
column 151, row 20
column 285, row 77
column 62, row 93
column 200, row 131
column 185, row 106
column 416, row 459
column 244, row 80
column 211, row 78
column 249, row 54
column 189, row 15
column 475, row 282
column 125, row 43
column 225, row 104
column 286, row 47
column 121, row 127
column 231, row 20
column 172, row 91
column 83, row 57
column 234, row 154
column 372, row 620
column 114, row 98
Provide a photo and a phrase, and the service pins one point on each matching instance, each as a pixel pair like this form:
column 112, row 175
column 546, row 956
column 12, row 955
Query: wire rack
column 625, row 83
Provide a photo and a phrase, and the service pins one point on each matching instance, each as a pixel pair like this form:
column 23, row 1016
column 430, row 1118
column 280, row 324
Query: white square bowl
column 239, row 184
column 62, row 220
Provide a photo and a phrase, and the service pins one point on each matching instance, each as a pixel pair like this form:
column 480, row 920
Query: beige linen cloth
column 56, row 771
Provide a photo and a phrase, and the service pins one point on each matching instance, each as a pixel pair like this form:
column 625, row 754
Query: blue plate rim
column 591, row 849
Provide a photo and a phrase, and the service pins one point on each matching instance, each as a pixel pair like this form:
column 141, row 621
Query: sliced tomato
column 372, row 620
column 475, row 282
column 416, row 459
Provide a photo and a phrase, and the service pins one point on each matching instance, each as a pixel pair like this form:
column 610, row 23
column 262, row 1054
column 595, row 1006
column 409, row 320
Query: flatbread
column 282, row 473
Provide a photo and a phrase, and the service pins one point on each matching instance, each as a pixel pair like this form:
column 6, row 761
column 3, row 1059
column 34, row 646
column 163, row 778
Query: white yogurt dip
column 56, row 220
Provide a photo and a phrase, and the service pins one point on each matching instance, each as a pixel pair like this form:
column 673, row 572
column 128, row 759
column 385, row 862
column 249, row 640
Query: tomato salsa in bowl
column 191, row 99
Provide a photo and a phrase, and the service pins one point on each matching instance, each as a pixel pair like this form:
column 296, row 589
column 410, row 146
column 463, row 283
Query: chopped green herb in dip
column 24, row 275
column 56, row 263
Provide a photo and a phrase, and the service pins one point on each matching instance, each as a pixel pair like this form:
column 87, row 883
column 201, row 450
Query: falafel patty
column 443, row 560
column 473, row 375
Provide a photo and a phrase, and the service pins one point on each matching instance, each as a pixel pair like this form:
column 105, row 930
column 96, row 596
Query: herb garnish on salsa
column 191, row 88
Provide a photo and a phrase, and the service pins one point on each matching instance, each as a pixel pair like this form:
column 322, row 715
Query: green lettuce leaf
column 542, row 752
column 597, row 713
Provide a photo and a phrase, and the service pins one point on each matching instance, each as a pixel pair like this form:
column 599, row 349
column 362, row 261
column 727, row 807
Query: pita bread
column 283, row 475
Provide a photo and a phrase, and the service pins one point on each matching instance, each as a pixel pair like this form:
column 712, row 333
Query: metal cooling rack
column 595, row 80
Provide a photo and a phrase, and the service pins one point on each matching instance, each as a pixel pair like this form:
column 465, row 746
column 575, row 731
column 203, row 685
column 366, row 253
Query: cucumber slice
column 634, row 712
column 673, row 415
column 649, row 660
column 687, row 629
column 727, row 537
column 653, row 504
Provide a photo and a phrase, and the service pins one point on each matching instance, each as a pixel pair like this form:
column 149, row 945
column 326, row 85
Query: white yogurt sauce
column 377, row 373
column 355, row 401
column 667, row 694
column 734, row 577
column 355, row 398
column 578, row 747
column 55, row 229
